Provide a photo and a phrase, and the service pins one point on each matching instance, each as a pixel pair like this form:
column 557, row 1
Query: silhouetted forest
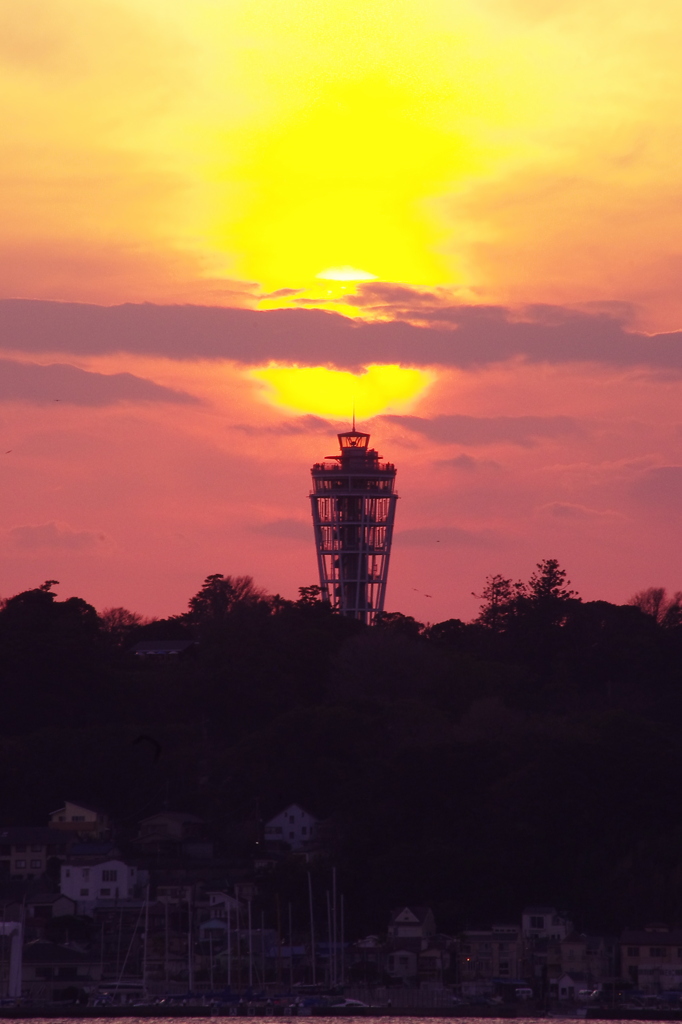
column 531, row 756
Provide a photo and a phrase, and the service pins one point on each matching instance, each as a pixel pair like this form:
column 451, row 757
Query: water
column 402, row 1019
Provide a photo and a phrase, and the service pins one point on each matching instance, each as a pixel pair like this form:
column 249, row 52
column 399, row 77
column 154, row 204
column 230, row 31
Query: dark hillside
column 532, row 756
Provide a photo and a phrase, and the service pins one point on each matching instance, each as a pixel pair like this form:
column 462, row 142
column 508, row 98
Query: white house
column 416, row 923
column 293, row 826
column 545, row 923
column 88, row 884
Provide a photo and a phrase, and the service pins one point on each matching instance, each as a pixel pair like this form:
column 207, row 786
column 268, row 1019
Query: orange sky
column 447, row 153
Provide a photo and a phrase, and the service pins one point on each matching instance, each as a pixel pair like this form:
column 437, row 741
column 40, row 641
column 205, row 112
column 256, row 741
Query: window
column 20, row 849
column 504, row 967
column 36, row 863
column 537, row 922
column 86, row 873
column 37, row 849
column 304, row 831
column 291, row 819
column 78, row 817
column 109, row 876
column 292, row 835
column 658, row 951
column 67, row 873
column 20, row 863
column 105, row 892
column 85, row 892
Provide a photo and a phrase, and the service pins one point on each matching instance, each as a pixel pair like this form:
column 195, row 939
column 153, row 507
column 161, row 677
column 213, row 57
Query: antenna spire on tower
column 353, row 415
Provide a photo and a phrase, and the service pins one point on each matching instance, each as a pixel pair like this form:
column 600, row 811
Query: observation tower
column 353, row 503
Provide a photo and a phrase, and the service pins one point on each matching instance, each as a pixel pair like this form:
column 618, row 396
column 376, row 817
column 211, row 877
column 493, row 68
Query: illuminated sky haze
column 462, row 215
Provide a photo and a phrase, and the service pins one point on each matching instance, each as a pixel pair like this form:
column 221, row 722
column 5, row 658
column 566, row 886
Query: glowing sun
column 328, row 392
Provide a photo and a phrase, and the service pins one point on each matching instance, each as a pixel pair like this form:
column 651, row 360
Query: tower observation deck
column 353, row 504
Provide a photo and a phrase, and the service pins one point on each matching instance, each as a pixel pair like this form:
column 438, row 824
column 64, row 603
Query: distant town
column 91, row 918
column 267, row 801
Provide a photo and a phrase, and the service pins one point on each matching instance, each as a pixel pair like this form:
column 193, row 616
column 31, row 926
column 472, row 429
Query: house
column 411, row 927
column 222, row 905
column 161, row 648
column 46, row 905
column 402, row 963
column 651, row 958
column 26, row 851
column 102, row 850
column 175, row 895
column 574, row 953
column 365, row 959
column 571, row 986
column 52, row 972
column 433, row 964
column 87, row 884
column 490, row 953
column 174, row 833
column 544, row 923
column 294, row 826
column 81, row 819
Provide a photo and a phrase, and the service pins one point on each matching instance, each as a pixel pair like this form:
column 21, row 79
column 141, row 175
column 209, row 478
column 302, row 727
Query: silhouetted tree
column 500, row 597
column 549, row 583
column 666, row 611
column 220, row 595
column 119, row 624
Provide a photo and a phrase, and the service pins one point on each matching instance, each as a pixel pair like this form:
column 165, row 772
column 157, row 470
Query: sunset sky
column 225, row 222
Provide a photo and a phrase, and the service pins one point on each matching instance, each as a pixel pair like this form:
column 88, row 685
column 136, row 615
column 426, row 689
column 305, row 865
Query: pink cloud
column 54, row 535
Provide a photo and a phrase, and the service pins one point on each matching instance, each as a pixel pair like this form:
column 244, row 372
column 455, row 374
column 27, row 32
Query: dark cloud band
column 446, row 335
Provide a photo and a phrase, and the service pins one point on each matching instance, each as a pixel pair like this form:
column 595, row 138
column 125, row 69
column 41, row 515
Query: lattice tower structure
column 353, row 503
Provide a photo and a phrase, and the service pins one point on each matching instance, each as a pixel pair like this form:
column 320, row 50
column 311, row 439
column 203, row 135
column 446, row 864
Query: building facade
column 294, row 826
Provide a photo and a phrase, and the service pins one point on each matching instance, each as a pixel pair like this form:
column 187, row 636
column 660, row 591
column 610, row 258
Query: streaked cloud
column 55, row 535
column 58, row 382
column 660, row 486
column 486, row 430
column 467, row 463
column 286, row 529
column 571, row 510
column 473, row 336
column 445, row 535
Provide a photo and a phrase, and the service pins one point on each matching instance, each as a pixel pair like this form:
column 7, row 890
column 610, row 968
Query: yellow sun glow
column 326, row 392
